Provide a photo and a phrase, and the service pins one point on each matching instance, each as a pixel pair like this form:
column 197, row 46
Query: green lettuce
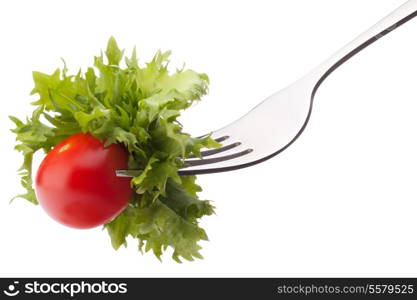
column 136, row 106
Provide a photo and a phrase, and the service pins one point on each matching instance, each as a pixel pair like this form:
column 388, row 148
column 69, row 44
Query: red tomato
column 76, row 182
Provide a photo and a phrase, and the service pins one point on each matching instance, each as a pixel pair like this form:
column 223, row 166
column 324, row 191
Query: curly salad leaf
column 136, row 106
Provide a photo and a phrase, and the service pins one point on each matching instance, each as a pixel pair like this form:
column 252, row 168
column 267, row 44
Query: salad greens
column 136, row 106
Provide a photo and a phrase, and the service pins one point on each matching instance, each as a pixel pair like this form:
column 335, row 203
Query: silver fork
column 274, row 124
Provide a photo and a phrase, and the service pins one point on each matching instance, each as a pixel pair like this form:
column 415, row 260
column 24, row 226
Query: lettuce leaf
column 136, row 106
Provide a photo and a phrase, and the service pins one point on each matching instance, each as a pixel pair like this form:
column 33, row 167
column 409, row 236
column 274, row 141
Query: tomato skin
column 76, row 182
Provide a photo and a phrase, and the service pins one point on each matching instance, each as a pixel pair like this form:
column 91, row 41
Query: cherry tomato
column 76, row 182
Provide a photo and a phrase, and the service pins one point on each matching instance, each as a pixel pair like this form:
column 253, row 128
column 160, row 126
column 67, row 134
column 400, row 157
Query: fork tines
column 198, row 162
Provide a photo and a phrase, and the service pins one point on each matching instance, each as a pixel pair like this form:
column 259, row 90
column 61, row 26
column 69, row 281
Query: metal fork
column 274, row 124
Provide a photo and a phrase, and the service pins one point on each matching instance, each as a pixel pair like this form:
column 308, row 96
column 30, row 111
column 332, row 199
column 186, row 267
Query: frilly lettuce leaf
column 136, row 106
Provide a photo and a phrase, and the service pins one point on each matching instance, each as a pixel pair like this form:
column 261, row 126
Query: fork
column 274, row 124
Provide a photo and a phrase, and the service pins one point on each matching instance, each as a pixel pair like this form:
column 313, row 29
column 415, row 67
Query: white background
column 341, row 201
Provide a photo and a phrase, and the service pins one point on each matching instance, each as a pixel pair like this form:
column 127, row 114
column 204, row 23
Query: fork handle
column 401, row 15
